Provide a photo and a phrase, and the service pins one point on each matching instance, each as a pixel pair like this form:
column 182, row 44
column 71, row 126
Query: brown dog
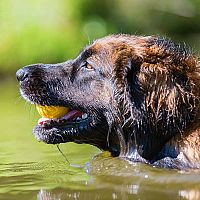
column 138, row 97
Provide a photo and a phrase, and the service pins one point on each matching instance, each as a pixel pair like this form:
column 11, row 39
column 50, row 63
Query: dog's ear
column 127, row 89
column 125, row 69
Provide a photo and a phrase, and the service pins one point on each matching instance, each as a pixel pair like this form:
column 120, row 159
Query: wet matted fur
column 141, row 96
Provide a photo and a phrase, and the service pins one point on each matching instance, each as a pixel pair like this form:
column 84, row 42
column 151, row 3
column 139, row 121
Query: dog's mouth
column 61, row 124
column 60, row 117
column 74, row 126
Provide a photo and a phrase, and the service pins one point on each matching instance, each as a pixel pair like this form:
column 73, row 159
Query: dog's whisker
column 65, row 157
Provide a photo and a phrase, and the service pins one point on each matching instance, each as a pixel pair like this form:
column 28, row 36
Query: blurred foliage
column 51, row 31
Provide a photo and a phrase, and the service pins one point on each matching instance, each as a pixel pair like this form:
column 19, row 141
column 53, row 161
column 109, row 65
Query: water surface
column 33, row 170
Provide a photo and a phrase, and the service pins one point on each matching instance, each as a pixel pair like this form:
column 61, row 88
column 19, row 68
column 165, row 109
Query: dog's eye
column 87, row 66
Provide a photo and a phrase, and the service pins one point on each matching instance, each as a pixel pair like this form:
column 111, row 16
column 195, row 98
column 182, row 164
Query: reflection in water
column 84, row 195
column 44, row 195
column 190, row 194
column 99, row 194
column 113, row 178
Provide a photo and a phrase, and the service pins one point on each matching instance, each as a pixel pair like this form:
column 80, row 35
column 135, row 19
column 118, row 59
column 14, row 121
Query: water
column 33, row 170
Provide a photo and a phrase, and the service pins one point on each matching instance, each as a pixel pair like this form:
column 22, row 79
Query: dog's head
column 124, row 93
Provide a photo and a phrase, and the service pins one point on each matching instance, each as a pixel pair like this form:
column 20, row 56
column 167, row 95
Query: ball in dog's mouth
column 67, row 125
column 56, row 115
column 52, row 111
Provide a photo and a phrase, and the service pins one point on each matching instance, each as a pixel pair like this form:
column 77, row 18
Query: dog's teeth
column 84, row 116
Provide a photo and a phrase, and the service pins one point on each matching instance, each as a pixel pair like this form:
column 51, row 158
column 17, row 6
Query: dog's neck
column 189, row 145
column 142, row 138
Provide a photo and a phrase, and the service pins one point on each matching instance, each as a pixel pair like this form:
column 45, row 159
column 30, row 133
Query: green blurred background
column 52, row 31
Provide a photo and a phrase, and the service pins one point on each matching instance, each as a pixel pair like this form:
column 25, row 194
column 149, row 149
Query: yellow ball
column 52, row 111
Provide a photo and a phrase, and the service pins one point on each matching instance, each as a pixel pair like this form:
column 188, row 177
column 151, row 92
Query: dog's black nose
column 22, row 74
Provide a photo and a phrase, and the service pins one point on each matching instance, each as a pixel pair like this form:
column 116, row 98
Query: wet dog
column 137, row 97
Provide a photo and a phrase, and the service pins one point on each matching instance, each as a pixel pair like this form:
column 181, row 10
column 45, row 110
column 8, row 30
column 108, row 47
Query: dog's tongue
column 69, row 116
